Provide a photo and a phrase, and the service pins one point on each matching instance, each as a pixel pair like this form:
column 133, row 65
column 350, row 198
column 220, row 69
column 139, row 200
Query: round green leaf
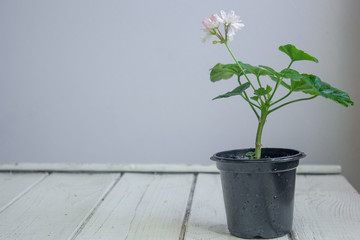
column 296, row 54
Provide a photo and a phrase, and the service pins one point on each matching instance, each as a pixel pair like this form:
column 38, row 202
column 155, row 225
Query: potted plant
column 258, row 183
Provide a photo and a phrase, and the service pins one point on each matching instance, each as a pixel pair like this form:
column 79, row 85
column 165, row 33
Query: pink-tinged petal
column 211, row 23
column 214, row 17
column 207, row 23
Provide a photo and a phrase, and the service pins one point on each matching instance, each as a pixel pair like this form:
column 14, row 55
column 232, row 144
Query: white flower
column 211, row 23
column 210, row 26
column 232, row 22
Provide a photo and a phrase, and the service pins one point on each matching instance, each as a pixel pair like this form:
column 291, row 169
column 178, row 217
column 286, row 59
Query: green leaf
column 236, row 91
column 274, row 75
column 255, row 98
column 296, row 54
column 296, row 82
column 251, row 155
column 291, row 74
column 223, row 71
column 300, row 86
column 262, row 91
column 257, row 71
column 268, row 89
column 326, row 90
column 271, row 71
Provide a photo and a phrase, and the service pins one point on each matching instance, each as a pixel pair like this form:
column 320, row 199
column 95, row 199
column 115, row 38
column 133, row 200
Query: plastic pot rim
column 292, row 157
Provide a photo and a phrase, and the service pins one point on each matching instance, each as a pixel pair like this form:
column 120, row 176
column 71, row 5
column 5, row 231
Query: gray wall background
column 128, row 81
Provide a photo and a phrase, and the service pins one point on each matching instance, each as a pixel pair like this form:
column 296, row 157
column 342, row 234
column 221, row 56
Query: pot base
column 259, row 204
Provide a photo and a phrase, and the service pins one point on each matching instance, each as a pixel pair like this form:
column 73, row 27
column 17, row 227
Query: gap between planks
column 26, row 190
column 93, row 210
column 188, row 208
column 143, row 206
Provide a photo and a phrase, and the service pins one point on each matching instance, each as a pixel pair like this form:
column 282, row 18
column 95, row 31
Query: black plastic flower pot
column 258, row 193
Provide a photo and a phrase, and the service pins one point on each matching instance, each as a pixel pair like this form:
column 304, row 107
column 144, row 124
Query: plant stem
column 279, row 100
column 278, row 83
column 263, row 107
column 227, row 46
column 258, row 79
column 297, row 100
column 262, row 120
column 246, row 98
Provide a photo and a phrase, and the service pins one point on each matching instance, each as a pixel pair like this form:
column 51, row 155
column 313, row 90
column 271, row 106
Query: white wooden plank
column 181, row 168
column 141, row 206
column 326, row 208
column 54, row 208
column 107, row 167
column 318, row 169
column 14, row 186
column 207, row 217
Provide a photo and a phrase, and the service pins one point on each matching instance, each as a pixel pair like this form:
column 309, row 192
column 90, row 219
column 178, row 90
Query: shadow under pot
column 258, row 193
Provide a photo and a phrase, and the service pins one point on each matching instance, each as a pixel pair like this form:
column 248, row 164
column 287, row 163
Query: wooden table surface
column 84, row 202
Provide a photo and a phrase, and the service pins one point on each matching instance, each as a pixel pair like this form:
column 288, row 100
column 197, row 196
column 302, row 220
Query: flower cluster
column 231, row 22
